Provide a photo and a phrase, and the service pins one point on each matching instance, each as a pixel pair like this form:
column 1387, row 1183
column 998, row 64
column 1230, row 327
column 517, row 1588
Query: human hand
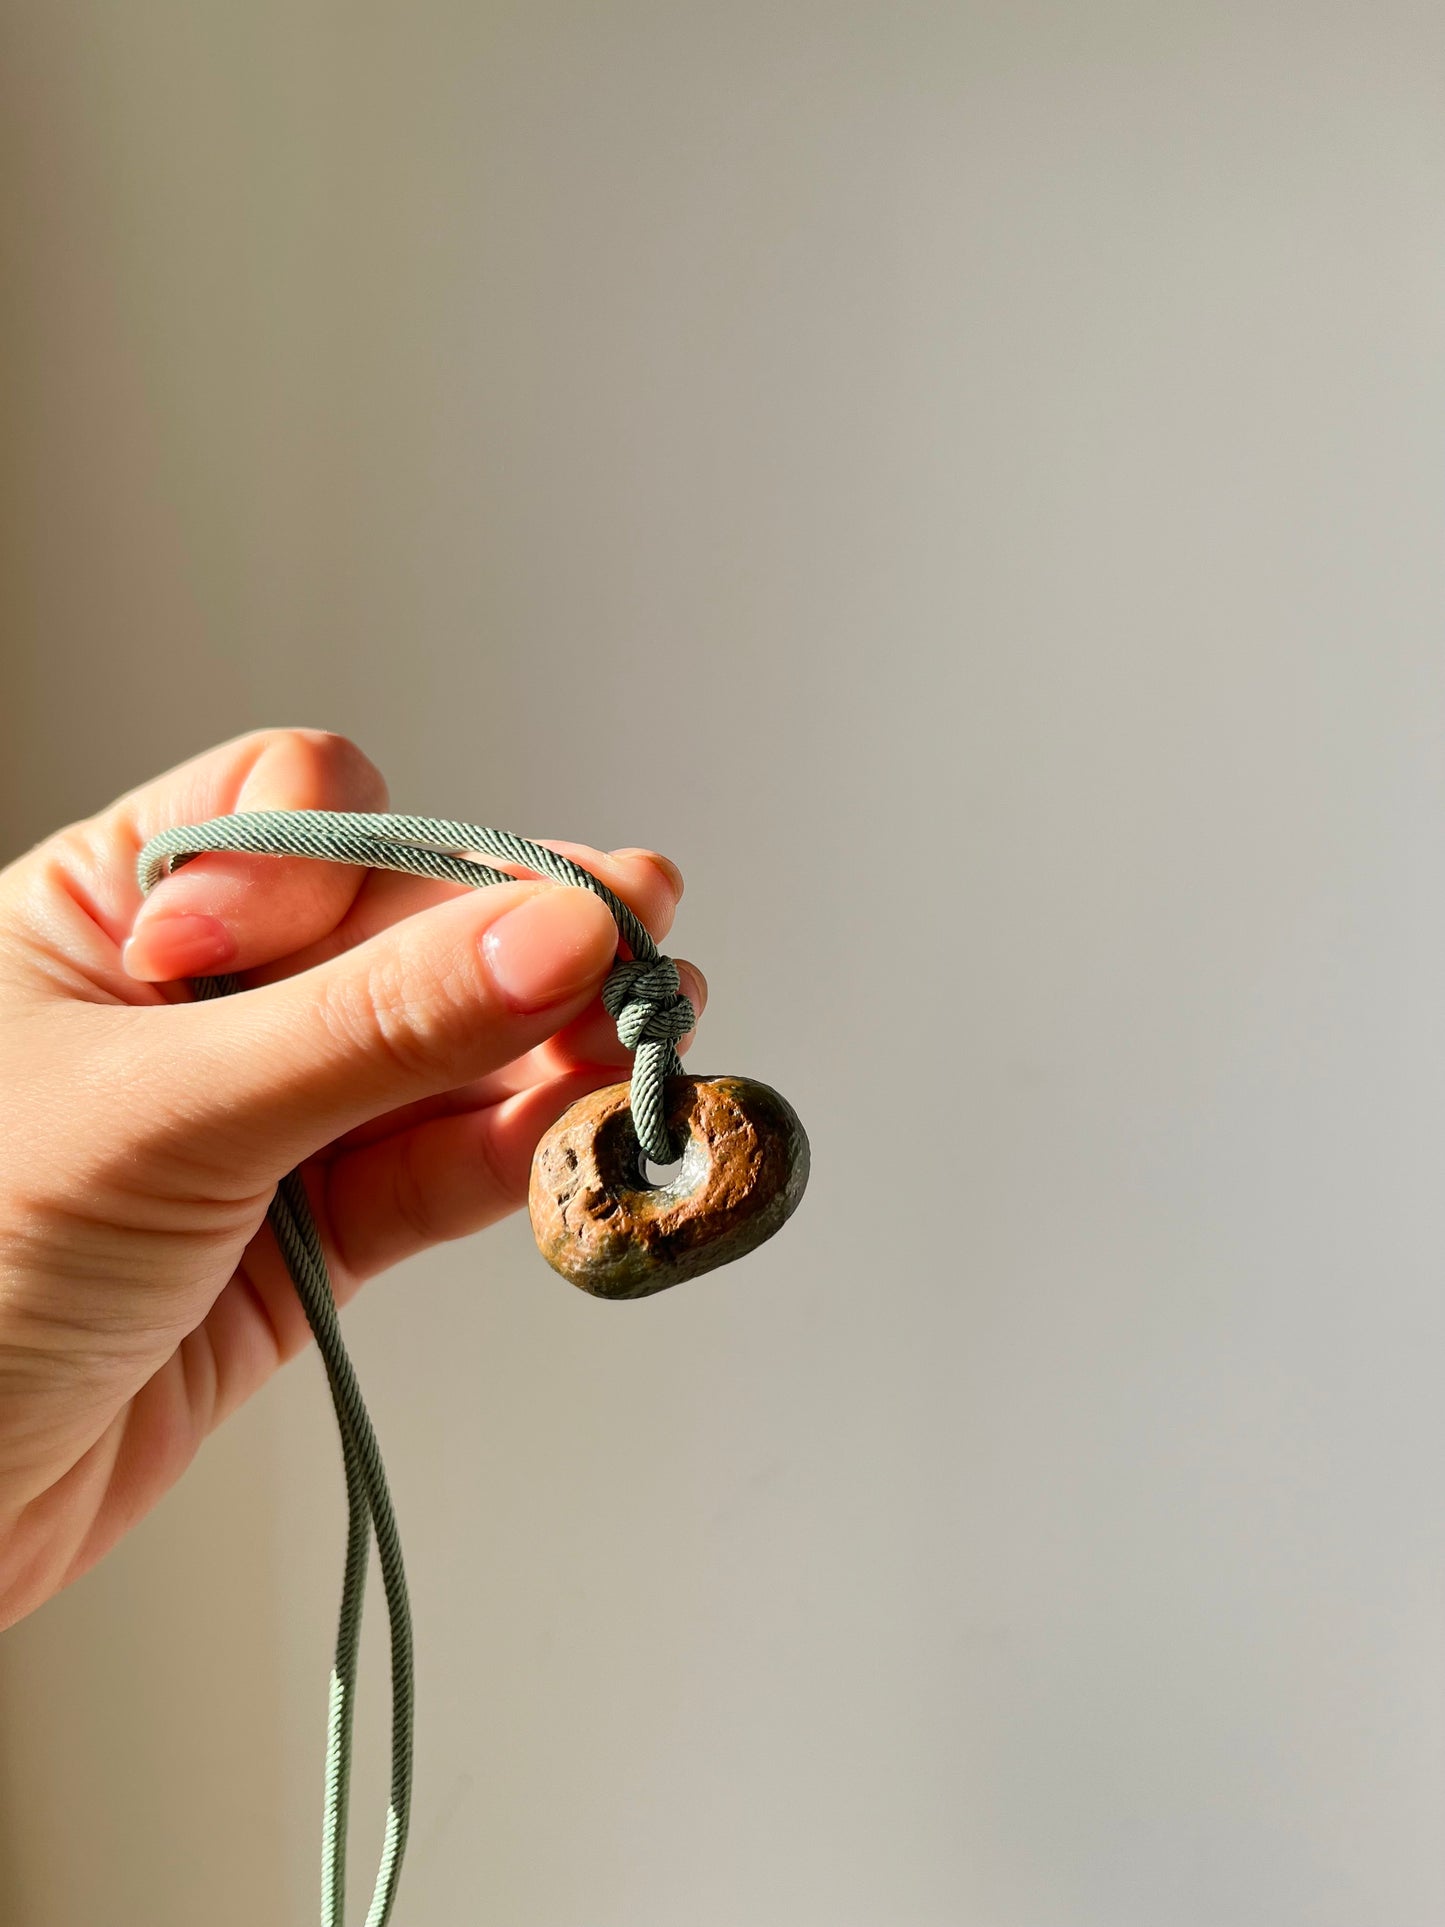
column 406, row 1042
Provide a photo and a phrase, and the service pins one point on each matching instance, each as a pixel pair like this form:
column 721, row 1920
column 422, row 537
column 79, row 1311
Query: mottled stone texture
column 599, row 1222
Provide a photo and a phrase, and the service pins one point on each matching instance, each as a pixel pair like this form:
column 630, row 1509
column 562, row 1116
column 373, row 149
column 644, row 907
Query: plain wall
column 966, row 481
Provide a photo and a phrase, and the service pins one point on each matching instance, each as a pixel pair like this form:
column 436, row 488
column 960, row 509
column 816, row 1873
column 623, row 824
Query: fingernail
column 550, row 948
column 668, row 868
column 183, row 945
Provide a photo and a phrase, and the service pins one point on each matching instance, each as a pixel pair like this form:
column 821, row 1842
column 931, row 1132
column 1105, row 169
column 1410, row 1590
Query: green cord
column 652, row 1015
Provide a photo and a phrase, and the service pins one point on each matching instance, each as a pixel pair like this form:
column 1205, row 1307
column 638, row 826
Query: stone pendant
column 600, row 1222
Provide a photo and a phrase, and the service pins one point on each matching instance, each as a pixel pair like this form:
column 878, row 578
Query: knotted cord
column 642, row 994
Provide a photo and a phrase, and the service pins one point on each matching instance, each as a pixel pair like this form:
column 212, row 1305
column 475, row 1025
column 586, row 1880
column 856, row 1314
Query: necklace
column 603, row 1213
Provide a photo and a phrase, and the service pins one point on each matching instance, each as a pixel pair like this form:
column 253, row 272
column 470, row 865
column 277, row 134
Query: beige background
column 967, row 481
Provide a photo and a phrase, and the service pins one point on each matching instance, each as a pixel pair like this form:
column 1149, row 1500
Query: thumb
column 436, row 1000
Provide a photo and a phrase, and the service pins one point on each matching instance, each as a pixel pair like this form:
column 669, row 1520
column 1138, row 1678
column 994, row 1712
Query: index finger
column 224, row 911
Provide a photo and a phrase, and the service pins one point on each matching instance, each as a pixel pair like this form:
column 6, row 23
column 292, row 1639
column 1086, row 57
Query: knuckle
column 73, row 867
column 321, row 767
column 80, row 849
column 346, row 766
column 405, row 1010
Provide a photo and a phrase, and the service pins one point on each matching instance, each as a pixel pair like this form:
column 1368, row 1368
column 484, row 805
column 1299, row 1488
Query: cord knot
column 648, row 1003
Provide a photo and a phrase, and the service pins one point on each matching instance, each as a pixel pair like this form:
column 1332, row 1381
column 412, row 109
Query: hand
column 409, row 1041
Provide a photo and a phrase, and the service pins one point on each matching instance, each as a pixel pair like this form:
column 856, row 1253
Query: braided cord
column 643, row 995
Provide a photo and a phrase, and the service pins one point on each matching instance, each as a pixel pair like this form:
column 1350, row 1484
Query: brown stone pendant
column 600, row 1222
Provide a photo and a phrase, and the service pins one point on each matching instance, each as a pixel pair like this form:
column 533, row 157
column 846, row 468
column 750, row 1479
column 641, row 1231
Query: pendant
column 600, row 1221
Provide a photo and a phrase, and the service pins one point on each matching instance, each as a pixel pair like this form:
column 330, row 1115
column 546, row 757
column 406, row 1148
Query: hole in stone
column 656, row 1175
